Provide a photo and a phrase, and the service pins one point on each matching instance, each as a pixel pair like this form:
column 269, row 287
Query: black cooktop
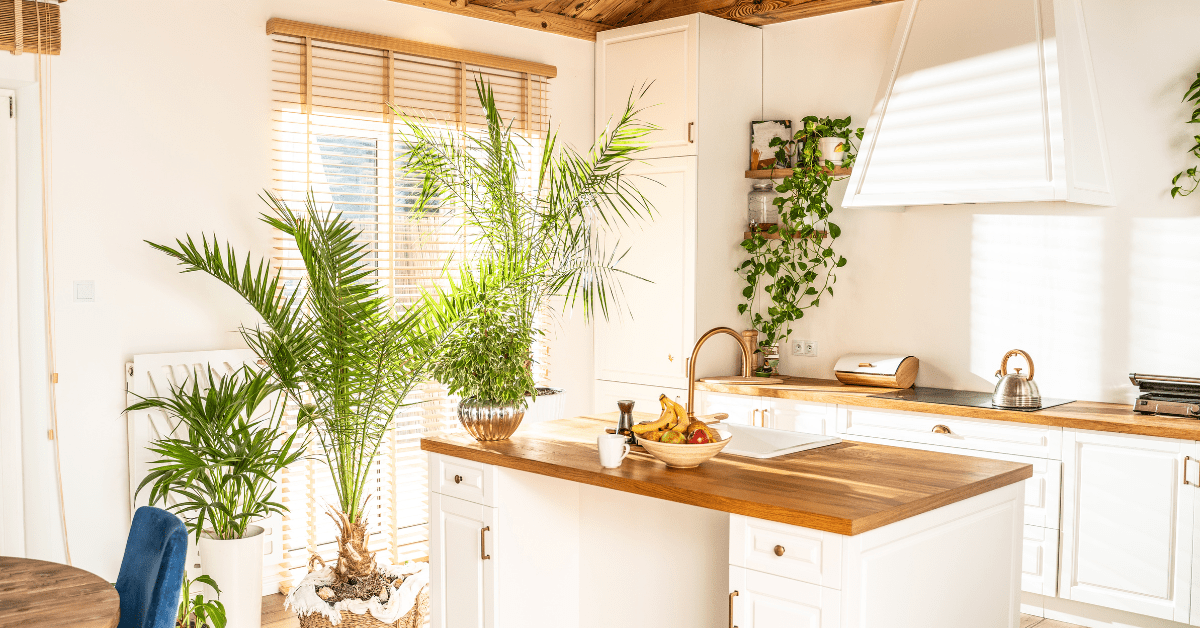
column 946, row 396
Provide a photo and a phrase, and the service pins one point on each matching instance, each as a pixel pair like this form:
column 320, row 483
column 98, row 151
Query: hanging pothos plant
column 794, row 262
column 1192, row 94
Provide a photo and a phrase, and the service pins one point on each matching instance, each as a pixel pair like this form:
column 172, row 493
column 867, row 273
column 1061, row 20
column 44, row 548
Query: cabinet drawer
column 759, row 600
column 1037, row 441
column 783, row 550
column 1039, row 561
column 1043, row 491
column 800, row 416
column 742, row 409
column 465, row 479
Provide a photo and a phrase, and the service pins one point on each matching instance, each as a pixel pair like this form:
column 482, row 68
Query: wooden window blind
column 335, row 94
column 39, row 28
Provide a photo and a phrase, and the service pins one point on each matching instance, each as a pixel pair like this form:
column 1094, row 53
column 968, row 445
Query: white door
column 759, row 600
column 463, row 554
column 742, row 409
column 661, row 56
column 1127, row 519
column 800, row 416
column 12, row 529
column 648, row 343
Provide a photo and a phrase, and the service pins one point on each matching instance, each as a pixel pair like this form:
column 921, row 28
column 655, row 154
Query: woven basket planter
column 414, row 618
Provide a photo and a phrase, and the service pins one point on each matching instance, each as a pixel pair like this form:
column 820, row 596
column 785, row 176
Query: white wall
column 1092, row 293
column 161, row 128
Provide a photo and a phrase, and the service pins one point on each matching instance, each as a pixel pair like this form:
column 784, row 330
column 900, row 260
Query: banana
column 662, row 423
column 680, row 421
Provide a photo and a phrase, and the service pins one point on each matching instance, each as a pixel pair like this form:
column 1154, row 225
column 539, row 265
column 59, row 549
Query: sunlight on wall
column 1164, row 296
column 1036, row 285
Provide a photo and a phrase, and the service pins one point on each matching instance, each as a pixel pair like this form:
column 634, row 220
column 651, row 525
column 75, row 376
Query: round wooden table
column 38, row 594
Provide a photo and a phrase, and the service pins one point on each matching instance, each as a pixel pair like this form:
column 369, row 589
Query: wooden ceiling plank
column 545, row 22
column 619, row 12
column 642, row 14
column 811, row 8
column 589, row 9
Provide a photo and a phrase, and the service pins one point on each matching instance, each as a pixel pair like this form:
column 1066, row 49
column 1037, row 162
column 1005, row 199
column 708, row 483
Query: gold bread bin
column 885, row 371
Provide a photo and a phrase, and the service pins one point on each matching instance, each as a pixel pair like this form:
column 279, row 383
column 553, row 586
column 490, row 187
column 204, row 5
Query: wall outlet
column 805, row 348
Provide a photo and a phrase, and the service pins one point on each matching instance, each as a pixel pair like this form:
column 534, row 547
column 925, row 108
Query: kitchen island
column 533, row 532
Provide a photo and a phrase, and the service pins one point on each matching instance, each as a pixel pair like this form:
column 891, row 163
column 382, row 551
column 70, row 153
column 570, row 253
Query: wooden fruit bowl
column 680, row 456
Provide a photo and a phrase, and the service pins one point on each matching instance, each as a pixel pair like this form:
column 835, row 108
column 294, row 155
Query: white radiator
column 153, row 375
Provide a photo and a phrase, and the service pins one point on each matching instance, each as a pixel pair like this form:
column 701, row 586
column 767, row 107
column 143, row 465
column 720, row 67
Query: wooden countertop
column 848, row 488
column 1083, row 415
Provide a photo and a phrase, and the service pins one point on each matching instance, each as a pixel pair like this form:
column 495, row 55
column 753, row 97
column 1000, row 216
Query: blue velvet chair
column 152, row 569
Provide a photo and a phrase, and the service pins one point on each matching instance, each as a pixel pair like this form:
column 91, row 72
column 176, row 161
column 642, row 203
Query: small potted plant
column 197, row 612
column 220, row 466
column 528, row 244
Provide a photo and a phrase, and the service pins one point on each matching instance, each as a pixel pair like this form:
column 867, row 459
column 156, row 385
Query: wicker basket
column 414, row 618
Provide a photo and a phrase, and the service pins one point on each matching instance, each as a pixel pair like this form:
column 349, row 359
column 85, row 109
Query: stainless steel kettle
column 1016, row 390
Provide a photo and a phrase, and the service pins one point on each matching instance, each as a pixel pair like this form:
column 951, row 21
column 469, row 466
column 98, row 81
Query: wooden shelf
column 775, row 236
column 783, row 173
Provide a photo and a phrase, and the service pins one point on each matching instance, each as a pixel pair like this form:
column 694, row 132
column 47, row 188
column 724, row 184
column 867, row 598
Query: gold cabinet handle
column 754, row 418
column 731, row 596
column 458, row 479
column 941, row 429
column 1185, row 461
column 670, row 358
column 779, row 550
column 482, row 539
column 690, row 125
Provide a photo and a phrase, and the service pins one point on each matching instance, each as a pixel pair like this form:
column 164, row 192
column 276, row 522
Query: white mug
column 613, row 449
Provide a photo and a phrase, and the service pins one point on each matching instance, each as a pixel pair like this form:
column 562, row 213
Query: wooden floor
column 274, row 616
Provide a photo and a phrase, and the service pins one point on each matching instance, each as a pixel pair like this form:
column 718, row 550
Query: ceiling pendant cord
column 45, row 127
column 18, row 28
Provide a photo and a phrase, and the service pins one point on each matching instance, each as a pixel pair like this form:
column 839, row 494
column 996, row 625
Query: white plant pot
column 237, row 567
column 832, row 149
column 547, row 407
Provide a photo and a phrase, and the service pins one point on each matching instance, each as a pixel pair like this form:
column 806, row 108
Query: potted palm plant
column 220, row 464
column 531, row 237
column 346, row 358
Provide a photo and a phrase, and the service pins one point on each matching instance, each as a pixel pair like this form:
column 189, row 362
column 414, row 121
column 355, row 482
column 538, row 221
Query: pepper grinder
column 625, row 423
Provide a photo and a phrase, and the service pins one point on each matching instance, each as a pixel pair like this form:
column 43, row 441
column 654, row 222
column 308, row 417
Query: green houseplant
column 532, row 237
column 337, row 349
column 791, row 263
column 196, row 611
column 1192, row 94
column 221, row 463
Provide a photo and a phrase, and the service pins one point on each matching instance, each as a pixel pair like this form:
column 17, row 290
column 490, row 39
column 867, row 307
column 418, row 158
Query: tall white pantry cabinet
column 703, row 82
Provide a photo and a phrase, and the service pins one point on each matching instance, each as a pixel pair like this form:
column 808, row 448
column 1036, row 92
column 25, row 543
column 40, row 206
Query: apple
column 699, row 437
column 673, row 437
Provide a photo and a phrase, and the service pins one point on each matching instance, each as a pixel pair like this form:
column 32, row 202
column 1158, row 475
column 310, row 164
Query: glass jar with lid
column 761, row 205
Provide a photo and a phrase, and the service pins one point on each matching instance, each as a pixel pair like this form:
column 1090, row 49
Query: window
column 333, row 122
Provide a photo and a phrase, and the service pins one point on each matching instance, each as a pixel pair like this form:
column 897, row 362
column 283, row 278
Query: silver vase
column 488, row 421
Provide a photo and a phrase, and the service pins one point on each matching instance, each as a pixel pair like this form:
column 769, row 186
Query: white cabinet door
column 645, row 398
column 463, row 554
column 800, row 416
column 742, row 409
column 649, row 343
column 662, row 57
column 759, row 600
column 1127, row 519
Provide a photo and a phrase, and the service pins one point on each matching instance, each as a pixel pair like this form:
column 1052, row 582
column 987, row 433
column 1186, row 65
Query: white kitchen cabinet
column 760, row 600
column 645, row 398
column 782, row 414
column 662, row 57
column 463, row 570
column 695, row 63
column 1127, row 523
column 1039, row 560
column 650, row 346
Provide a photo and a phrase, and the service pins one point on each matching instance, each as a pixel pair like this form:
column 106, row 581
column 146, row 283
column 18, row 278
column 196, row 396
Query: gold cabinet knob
column 779, row 550
column 670, row 358
column 941, row 429
column 458, row 479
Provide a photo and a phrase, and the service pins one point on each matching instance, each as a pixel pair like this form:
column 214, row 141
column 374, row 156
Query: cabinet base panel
column 1089, row 615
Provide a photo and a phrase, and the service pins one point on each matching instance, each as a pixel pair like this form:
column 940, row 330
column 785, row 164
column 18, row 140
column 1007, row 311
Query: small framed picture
column 762, row 154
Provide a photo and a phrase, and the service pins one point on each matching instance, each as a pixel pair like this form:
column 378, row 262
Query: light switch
column 85, row 291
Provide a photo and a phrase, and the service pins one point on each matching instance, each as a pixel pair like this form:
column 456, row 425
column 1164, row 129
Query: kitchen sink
column 764, row 442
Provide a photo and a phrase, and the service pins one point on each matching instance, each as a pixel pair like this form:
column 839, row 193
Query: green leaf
column 747, row 292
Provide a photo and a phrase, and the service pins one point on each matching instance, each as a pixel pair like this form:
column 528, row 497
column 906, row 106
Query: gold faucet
column 691, row 367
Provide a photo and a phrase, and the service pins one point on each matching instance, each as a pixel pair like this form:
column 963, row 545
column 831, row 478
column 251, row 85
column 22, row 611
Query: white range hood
column 985, row 101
